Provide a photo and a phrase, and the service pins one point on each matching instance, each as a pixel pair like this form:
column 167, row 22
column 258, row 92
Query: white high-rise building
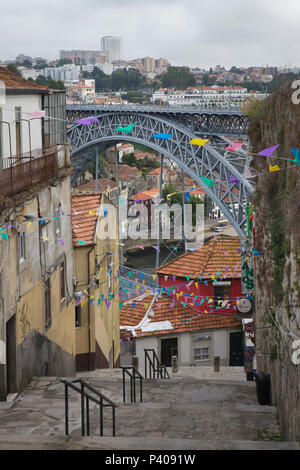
column 113, row 47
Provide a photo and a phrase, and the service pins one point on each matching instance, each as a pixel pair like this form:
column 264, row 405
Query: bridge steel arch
column 196, row 161
column 211, row 121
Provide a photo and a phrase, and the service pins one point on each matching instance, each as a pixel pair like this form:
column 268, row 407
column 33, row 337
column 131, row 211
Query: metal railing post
column 134, row 393
column 82, row 410
column 101, row 416
column 145, row 364
column 131, row 391
column 66, row 410
column 87, row 417
column 124, row 392
column 114, row 420
column 141, row 389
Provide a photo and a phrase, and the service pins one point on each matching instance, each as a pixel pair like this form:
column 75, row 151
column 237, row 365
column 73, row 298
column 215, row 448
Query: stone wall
column 277, row 238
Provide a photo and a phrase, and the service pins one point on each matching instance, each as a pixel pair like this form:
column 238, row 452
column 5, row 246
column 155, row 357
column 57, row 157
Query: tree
column 63, row 62
column 177, row 199
column 207, row 80
column 129, row 159
column 177, row 77
column 12, row 68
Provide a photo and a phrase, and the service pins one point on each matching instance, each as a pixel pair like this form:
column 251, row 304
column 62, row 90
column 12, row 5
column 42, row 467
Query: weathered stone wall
column 277, row 237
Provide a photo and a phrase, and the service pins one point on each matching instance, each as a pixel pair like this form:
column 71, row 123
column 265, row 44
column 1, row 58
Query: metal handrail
column 84, row 395
column 160, row 369
column 125, row 370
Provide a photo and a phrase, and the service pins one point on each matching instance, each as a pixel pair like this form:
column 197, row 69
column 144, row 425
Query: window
column 221, row 292
column 21, row 246
column 47, row 294
column 202, row 347
column 78, row 316
column 62, row 282
column 57, row 220
column 201, row 353
column 18, row 116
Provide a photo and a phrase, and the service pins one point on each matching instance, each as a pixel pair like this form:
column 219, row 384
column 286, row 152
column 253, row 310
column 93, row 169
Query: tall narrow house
column 37, row 310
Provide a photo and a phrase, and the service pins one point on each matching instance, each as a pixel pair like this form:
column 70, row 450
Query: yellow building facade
column 96, row 264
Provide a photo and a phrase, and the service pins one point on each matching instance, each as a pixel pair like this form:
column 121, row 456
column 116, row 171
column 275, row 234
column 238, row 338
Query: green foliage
column 129, row 159
column 121, row 79
column 63, row 62
column 177, row 199
column 177, row 77
column 134, row 96
column 266, row 435
column 50, row 83
column 12, row 68
column 273, row 354
column 208, row 81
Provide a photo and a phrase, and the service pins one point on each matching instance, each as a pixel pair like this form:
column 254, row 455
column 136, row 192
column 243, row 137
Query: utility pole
column 183, row 214
column 118, row 196
column 159, row 214
column 97, row 163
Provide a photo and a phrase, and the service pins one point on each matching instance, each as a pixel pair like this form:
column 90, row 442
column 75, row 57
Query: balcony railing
column 21, row 172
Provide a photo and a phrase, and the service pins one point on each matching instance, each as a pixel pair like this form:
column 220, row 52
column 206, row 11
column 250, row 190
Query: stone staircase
column 182, row 413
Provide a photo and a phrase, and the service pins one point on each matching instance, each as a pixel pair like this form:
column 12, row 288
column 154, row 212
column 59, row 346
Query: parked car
column 216, row 229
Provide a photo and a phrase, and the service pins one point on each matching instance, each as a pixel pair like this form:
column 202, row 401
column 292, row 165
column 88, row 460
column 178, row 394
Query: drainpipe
column 89, row 308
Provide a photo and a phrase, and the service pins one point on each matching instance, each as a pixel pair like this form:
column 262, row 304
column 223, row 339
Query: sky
column 196, row 33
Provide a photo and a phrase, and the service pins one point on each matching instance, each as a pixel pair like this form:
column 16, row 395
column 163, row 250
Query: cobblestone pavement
column 186, row 409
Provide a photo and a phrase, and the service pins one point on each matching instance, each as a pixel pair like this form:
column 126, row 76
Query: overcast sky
column 186, row 32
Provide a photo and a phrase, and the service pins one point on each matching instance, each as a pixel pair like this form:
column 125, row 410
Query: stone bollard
column 216, row 363
column 174, row 364
column 135, row 362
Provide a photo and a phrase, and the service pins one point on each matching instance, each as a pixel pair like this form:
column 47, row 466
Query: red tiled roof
column 14, row 82
column 145, row 195
column 182, row 318
column 84, row 224
column 125, row 171
column 103, row 185
column 216, row 255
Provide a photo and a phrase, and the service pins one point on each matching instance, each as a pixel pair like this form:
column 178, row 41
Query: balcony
column 22, row 172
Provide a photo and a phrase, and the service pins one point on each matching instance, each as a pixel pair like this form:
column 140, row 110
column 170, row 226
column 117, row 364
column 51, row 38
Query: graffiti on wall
column 24, row 322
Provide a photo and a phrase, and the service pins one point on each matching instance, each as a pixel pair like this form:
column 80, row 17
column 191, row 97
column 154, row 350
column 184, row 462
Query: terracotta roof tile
column 104, row 184
column 183, row 318
column 216, row 255
column 145, row 195
column 13, row 81
column 84, row 223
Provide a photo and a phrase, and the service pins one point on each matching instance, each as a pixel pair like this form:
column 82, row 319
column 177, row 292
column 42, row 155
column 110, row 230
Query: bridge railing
column 154, row 108
column 135, row 274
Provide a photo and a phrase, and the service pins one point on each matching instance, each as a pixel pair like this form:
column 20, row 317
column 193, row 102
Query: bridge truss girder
column 229, row 123
column 210, row 161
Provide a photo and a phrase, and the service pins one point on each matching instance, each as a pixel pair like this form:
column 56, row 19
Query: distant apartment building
column 205, row 96
column 81, row 91
column 84, row 57
column 112, row 46
column 65, row 72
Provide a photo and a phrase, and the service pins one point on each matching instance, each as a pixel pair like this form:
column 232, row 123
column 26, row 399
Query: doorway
column 236, row 357
column 169, row 348
column 11, row 355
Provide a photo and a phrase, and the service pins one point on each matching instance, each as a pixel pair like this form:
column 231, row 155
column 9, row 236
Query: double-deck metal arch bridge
column 210, row 161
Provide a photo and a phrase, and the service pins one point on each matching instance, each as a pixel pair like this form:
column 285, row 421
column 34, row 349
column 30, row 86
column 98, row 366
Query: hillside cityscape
column 149, row 238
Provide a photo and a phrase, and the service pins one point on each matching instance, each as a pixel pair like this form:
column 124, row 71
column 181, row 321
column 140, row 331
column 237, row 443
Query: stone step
column 21, row 442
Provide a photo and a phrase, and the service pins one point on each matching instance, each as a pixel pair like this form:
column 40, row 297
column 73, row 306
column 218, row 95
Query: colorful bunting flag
column 163, row 136
column 200, row 142
column 207, row 181
column 234, row 147
column 268, row 151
